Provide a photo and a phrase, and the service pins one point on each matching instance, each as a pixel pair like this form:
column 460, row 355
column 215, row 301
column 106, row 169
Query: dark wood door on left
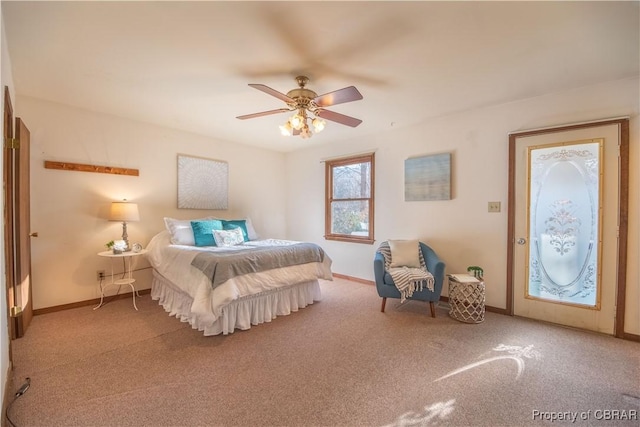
column 23, row 227
column 17, row 228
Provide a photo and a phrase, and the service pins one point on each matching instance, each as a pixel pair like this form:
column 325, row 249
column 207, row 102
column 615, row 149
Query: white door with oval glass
column 566, row 227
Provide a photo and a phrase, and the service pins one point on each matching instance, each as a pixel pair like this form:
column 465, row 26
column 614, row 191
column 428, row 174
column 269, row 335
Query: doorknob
column 521, row 241
column 34, row 234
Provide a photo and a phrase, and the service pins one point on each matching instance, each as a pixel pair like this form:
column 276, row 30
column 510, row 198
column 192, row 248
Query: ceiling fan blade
column 339, row 96
column 264, row 113
column 339, row 118
column 272, row 92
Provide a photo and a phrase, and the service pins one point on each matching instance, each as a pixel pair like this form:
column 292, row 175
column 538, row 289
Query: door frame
column 8, row 218
column 623, row 212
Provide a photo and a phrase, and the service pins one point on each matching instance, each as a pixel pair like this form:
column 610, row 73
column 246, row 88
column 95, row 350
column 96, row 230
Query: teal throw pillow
column 237, row 223
column 203, row 231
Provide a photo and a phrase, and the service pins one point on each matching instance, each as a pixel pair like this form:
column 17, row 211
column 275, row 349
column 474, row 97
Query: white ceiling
column 186, row 65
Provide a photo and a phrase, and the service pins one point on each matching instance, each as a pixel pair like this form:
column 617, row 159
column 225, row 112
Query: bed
column 220, row 289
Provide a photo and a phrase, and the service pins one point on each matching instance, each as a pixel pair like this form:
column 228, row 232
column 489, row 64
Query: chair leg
column 384, row 301
column 433, row 308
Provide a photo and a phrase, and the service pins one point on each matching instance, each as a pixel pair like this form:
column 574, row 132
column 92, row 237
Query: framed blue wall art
column 427, row 178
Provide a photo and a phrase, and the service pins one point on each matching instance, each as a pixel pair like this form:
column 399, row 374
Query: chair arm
column 378, row 268
column 434, row 265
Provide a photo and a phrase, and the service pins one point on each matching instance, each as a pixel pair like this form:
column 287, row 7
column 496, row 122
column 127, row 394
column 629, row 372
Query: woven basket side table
column 466, row 298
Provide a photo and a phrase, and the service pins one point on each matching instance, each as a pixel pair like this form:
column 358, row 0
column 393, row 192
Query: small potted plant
column 475, row 271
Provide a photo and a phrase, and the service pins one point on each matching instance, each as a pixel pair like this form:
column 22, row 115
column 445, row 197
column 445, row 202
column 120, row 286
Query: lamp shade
column 124, row 211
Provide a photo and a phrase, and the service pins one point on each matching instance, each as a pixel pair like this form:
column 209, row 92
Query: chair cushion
column 405, row 253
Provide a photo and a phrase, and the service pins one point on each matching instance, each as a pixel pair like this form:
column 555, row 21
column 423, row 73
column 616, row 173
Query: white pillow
column 228, row 237
column 405, row 253
column 181, row 231
column 251, row 232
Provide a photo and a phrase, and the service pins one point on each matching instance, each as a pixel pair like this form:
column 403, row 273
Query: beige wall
column 69, row 209
column 461, row 230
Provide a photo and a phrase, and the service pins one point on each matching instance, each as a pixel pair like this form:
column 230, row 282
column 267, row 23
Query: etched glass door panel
column 564, row 222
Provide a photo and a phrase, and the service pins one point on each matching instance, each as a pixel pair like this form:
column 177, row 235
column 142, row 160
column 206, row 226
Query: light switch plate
column 494, row 206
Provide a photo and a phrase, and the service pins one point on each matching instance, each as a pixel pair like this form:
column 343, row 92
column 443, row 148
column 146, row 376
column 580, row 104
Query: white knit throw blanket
column 407, row 279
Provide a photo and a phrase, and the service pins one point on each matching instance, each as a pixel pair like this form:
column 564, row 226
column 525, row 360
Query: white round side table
column 127, row 278
column 466, row 298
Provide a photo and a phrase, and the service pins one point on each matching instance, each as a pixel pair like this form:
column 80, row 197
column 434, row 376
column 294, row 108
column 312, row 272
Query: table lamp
column 125, row 212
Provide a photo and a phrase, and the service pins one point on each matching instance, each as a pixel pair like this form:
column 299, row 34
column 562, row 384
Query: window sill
column 353, row 239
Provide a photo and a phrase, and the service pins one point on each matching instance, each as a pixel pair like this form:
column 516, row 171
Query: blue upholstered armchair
column 387, row 289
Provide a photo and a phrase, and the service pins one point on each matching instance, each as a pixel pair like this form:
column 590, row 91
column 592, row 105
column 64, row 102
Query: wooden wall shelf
column 79, row 167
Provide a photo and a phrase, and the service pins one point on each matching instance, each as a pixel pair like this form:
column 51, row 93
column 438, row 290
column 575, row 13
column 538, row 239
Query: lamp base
column 125, row 237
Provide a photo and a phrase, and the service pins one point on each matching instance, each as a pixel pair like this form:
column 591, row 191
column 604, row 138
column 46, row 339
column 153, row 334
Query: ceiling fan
column 308, row 106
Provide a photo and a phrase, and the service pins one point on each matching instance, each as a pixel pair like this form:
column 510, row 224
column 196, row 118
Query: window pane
column 564, row 217
column 350, row 218
column 352, row 181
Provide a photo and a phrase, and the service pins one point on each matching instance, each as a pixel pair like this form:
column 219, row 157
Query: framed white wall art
column 202, row 183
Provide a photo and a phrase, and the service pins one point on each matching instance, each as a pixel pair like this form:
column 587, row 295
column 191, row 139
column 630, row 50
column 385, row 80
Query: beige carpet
column 338, row 362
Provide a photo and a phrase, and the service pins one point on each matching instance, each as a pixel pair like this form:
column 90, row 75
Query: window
column 349, row 199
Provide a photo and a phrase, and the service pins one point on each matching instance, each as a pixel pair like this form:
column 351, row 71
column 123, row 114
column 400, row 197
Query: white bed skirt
column 239, row 314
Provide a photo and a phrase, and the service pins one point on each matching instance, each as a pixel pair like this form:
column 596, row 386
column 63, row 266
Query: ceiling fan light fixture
column 297, row 121
column 318, row 124
column 307, row 106
column 286, row 129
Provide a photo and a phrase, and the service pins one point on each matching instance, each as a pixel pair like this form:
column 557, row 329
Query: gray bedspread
column 222, row 266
